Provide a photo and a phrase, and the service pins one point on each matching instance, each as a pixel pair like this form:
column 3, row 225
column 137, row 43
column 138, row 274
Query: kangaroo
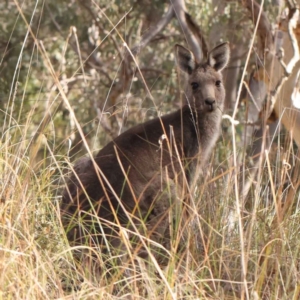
column 133, row 181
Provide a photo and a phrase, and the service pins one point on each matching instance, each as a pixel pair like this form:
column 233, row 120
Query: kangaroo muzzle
column 211, row 103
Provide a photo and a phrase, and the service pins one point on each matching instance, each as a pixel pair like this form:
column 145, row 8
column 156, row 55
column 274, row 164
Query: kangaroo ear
column 185, row 59
column 218, row 57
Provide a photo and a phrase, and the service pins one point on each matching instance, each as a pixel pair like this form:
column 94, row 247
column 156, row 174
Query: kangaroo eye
column 194, row 85
column 218, row 83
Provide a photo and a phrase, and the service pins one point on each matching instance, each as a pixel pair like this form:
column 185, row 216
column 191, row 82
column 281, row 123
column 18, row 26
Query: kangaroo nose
column 210, row 102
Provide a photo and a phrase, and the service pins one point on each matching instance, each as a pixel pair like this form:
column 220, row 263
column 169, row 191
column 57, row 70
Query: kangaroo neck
column 205, row 128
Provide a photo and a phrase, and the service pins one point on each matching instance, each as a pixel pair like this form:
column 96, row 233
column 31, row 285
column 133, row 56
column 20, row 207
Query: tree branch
column 164, row 21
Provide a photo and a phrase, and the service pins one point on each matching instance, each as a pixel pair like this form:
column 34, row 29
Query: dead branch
column 164, row 21
column 191, row 30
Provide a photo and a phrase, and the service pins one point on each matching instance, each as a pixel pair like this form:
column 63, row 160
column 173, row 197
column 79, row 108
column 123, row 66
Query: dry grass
column 234, row 248
column 38, row 263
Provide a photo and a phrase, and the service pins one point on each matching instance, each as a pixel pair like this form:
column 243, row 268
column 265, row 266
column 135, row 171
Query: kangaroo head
column 205, row 90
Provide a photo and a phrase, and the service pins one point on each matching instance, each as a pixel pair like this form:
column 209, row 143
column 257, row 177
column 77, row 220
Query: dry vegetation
column 62, row 82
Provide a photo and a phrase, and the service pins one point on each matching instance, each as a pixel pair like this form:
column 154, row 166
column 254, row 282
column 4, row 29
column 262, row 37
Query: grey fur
column 149, row 165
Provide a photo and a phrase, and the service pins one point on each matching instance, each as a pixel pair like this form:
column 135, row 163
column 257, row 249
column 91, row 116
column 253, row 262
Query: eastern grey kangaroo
column 132, row 182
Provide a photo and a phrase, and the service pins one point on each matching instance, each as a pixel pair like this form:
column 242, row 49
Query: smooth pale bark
column 265, row 81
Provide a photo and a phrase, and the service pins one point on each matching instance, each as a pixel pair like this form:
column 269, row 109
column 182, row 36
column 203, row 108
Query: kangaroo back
column 136, row 178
